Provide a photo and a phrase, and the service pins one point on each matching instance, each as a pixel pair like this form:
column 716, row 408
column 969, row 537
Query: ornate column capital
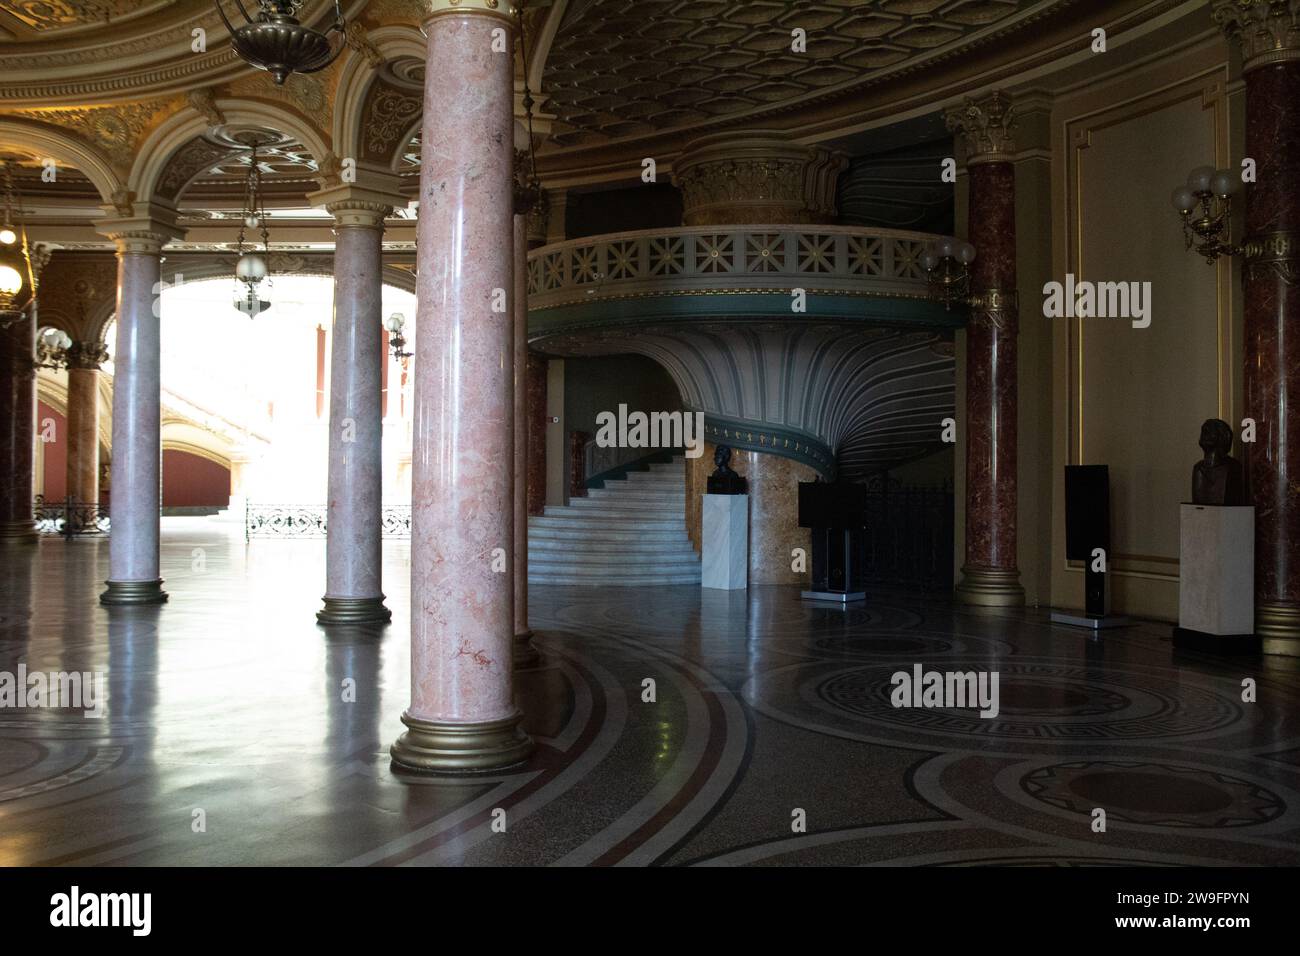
column 143, row 234
column 1267, row 31
column 504, row 9
column 363, row 204
column 986, row 125
column 85, row 355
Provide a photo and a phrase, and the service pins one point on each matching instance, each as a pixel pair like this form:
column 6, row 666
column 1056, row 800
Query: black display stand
column 1087, row 527
column 836, row 513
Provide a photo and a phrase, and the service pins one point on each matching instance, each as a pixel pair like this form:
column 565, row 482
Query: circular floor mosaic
column 1155, row 794
column 1041, row 701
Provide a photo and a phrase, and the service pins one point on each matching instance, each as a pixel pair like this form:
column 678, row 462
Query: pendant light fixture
column 252, row 271
column 275, row 41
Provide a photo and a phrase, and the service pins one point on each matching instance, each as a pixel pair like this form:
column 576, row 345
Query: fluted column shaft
column 354, row 517
column 17, row 429
column 462, row 714
column 133, row 560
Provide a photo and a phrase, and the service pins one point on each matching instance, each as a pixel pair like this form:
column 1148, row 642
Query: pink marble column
column 133, row 566
column 83, row 421
column 354, row 516
column 462, row 715
column 17, row 430
column 525, row 654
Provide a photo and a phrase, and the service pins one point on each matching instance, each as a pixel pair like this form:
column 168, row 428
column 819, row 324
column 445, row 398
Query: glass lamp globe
column 1183, row 199
column 966, row 252
column 8, row 236
column 11, row 280
column 1224, row 183
column 396, row 322
column 1198, row 180
column 55, row 339
column 929, row 260
column 945, row 247
column 251, row 267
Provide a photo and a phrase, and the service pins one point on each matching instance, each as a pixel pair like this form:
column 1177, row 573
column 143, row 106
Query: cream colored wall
column 1130, row 398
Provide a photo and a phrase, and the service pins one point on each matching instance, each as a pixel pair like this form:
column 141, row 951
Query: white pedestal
column 725, row 543
column 1216, row 592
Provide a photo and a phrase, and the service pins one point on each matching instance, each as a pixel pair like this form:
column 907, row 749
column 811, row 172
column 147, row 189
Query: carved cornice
column 1267, row 31
column 204, row 102
column 986, row 125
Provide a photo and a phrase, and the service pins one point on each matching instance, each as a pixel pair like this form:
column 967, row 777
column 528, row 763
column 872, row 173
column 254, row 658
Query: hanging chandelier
column 528, row 193
column 17, row 278
column 276, row 42
column 252, row 271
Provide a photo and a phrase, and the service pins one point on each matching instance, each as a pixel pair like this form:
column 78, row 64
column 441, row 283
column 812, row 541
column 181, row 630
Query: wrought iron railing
column 841, row 259
column 910, row 535
column 70, row 517
column 308, row 521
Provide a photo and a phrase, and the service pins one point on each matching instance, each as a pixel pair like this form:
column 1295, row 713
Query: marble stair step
column 597, row 521
column 604, row 566
column 665, row 548
column 622, row 509
column 563, row 580
column 605, row 571
column 655, row 536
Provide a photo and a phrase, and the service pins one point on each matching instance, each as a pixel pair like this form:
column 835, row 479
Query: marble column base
column 451, row 747
column 354, row 611
column 525, row 652
column 133, row 592
column 1278, row 628
column 17, row 532
column 990, row 587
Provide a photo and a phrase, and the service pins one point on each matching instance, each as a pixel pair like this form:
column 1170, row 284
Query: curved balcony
column 855, row 377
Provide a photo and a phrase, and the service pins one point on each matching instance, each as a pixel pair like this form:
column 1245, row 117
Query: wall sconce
column 1205, row 203
column 52, row 348
column 396, row 322
column 946, row 263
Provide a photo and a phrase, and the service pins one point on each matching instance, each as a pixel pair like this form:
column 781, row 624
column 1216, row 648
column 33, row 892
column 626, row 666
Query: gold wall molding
column 115, row 131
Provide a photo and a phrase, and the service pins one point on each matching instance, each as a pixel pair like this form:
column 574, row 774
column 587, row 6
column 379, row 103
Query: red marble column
column 17, row 429
column 990, row 575
column 83, row 420
column 1271, row 287
column 462, row 715
column 537, row 422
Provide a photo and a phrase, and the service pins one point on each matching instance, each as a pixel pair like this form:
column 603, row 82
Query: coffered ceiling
column 621, row 68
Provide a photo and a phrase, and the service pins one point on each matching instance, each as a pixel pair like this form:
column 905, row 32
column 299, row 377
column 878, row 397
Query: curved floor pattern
column 230, row 701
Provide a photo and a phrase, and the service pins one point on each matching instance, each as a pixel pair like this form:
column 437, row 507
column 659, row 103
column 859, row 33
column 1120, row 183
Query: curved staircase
column 632, row 532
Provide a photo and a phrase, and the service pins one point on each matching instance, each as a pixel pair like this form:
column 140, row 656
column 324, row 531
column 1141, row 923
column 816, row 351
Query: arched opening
column 245, row 409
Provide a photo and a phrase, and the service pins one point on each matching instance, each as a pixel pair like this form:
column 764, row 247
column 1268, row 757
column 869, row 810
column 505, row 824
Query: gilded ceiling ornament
column 407, row 10
column 359, row 41
column 390, row 115
column 123, row 201
column 304, row 91
column 986, row 125
column 1267, row 31
column 204, row 102
column 115, row 130
column 190, row 160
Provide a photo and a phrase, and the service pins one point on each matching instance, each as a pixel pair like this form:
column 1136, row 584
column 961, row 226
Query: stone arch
column 169, row 141
column 31, row 136
column 358, row 75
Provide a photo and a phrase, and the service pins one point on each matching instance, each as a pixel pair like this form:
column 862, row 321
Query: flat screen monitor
column 832, row 505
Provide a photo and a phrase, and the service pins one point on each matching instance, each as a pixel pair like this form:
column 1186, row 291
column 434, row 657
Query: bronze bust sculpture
column 1217, row 479
column 724, row 481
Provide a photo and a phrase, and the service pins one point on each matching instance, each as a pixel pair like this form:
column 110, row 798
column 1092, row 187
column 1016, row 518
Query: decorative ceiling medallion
column 116, row 130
